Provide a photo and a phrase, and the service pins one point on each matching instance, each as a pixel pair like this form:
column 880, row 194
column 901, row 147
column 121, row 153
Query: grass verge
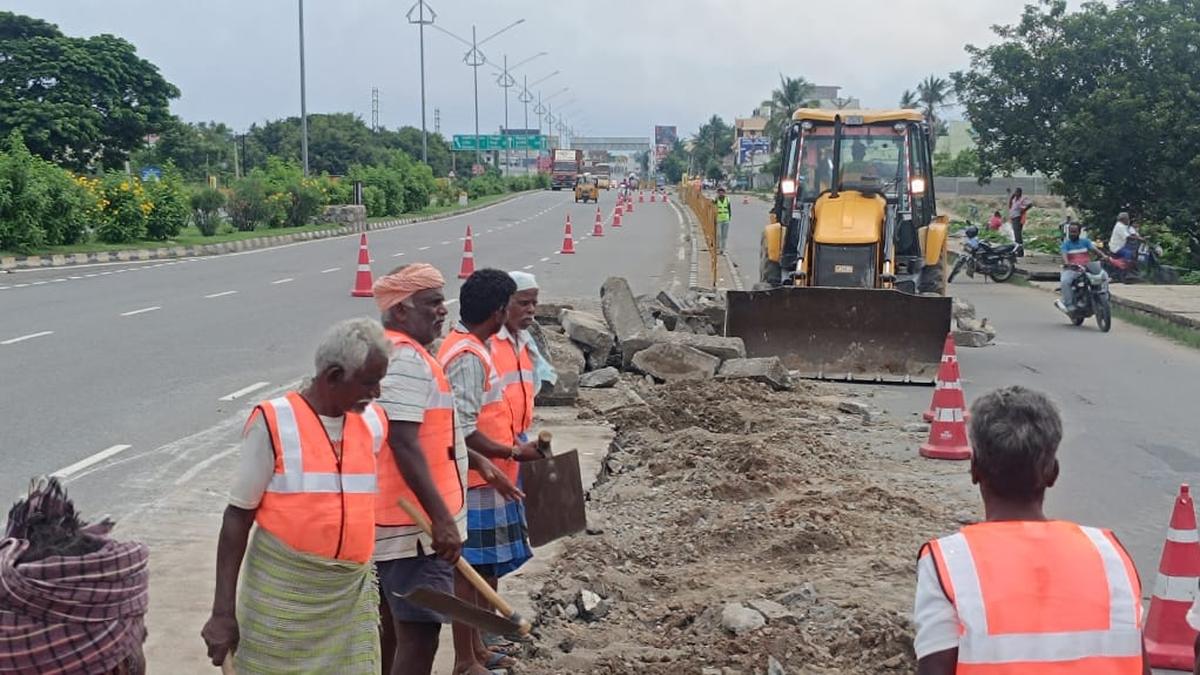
column 190, row 236
column 1172, row 331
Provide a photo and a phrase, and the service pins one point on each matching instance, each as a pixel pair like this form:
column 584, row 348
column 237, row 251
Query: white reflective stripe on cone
column 351, row 483
column 1182, row 536
column 1179, row 589
column 948, row 415
column 289, row 435
column 943, row 384
column 365, row 267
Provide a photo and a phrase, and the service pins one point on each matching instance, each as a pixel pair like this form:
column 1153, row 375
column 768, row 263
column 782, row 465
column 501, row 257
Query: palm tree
column 908, row 100
column 712, row 142
column 934, row 93
column 793, row 92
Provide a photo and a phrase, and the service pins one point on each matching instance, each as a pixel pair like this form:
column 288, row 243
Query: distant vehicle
column 568, row 164
column 1090, row 289
column 603, row 174
column 586, row 189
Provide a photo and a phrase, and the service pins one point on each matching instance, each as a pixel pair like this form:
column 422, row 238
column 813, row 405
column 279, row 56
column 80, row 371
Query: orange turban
column 400, row 285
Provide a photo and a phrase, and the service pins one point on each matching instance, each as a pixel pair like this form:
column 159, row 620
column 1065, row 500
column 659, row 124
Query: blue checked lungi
column 497, row 543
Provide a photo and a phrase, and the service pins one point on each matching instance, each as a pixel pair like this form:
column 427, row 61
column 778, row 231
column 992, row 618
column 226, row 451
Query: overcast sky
column 630, row 64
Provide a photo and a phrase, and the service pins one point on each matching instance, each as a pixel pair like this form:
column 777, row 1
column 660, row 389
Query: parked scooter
column 1090, row 290
column 997, row 262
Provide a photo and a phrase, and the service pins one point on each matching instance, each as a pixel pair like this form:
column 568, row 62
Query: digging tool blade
column 462, row 612
column 553, row 497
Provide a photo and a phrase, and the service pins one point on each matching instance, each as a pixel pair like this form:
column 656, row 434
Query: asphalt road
column 132, row 365
column 1127, row 399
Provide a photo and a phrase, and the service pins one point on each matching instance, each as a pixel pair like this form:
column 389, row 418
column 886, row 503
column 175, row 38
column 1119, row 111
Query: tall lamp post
column 506, row 80
column 421, row 22
column 303, row 102
column 526, row 98
column 475, row 58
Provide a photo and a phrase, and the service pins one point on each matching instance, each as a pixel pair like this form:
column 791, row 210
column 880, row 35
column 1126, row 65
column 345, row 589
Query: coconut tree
column 792, row 93
column 934, row 94
column 908, row 100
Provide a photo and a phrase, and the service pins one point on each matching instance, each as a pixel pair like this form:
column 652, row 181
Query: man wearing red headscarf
column 425, row 465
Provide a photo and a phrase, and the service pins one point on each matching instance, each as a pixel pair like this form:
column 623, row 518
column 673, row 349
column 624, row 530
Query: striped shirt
column 404, row 393
column 468, row 377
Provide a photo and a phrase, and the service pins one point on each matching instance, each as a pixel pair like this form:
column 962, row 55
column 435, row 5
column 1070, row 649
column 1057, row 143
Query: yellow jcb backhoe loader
column 853, row 263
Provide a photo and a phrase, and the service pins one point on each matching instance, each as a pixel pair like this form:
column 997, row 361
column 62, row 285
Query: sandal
column 498, row 661
column 499, row 645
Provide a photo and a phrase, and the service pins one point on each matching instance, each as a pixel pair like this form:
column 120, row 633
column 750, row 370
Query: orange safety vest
column 436, row 437
column 315, row 502
column 494, row 420
column 1047, row 597
column 515, row 370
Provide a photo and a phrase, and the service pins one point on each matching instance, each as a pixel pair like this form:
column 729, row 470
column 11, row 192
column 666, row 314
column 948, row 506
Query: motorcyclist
column 1125, row 239
column 1076, row 254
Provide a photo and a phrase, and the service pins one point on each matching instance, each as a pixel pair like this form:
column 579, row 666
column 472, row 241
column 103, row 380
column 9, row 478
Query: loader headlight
column 788, row 187
column 917, row 186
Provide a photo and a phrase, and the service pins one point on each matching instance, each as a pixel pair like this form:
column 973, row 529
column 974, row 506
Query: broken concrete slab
column 853, row 407
column 668, row 300
column 565, row 392
column 970, row 338
column 768, row 370
column 772, row 611
column 963, row 309
column 591, row 332
column 547, row 313
column 676, row 362
column 600, row 379
column 739, row 619
column 621, row 309
column 563, row 353
column 724, row 348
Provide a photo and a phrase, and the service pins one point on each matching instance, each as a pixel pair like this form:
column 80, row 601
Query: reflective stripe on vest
column 493, row 420
column 447, row 465
column 516, row 381
column 316, row 502
column 723, row 208
column 1100, row 635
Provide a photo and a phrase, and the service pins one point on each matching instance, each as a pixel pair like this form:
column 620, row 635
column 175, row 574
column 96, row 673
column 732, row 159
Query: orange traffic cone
column 468, row 258
column 949, row 355
column 665, row 199
column 629, row 204
column 598, row 228
column 641, row 196
column 745, row 199
column 620, row 210
column 653, row 194
column 948, row 431
column 616, row 222
column 1169, row 638
column 362, row 278
column 568, row 239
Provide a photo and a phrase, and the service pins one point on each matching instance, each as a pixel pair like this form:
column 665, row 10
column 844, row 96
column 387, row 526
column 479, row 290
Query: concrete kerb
column 17, row 263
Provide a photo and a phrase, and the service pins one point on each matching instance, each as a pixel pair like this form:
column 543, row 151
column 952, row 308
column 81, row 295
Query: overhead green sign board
column 466, row 142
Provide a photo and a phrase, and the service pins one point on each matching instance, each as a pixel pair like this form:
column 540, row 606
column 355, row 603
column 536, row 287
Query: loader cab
column 869, row 176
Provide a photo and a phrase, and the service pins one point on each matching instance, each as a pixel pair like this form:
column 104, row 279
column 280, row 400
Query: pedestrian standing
column 72, row 600
column 1018, row 213
column 724, row 212
column 485, row 422
column 1020, row 593
column 308, row 601
column 426, row 465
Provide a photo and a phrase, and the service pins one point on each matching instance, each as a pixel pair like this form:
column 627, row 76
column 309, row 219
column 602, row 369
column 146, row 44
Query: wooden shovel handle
column 465, row 569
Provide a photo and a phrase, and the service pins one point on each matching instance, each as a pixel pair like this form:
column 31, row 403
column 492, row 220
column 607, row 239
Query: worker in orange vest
column 307, row 477
column 426, row 465
column 1020, row 593
column 486, row 424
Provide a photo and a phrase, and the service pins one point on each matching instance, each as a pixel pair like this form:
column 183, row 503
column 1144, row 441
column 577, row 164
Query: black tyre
column 769, row 271
column 1104, row 315
column 958, row 265
column 1003, row 271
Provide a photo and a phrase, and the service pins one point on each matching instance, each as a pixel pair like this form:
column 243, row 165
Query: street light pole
column 506, row 84
column 421, row 22
column 303, row 102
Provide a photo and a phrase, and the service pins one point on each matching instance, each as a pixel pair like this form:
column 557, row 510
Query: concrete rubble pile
column 663, row 338
column 968, row 330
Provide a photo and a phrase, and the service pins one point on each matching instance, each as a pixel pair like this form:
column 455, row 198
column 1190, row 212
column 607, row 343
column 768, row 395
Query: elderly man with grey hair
column 1020, row 592
column 308, row 602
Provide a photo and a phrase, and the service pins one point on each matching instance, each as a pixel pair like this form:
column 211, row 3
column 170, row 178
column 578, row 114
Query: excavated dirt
column 728, row 492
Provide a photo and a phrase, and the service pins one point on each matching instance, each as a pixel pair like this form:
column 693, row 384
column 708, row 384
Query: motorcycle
column 1090, row 289
column 1144, row 267
column 997, row 262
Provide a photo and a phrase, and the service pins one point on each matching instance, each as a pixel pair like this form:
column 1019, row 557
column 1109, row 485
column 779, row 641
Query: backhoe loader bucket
column 860, row 335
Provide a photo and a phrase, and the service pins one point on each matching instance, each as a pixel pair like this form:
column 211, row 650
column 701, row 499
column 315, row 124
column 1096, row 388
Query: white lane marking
column 191, row 473
column 89, row 276
column 104, row 274
column 141, row 311
column 3, row 288
column 423, row 248
column 331, row 269
column 547, row 258
column 527, row 267
column 86, row 462
column 74, row 278
column 55, row 281
column 20, row 286
column 39, row 283
column 13, row 341
column 445, row 243
column 397, row 255
column 281, row 281
column 221, row 294
column 243, row 391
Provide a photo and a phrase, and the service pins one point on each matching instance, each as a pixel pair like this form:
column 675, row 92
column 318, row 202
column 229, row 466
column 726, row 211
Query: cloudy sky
column 629, row 64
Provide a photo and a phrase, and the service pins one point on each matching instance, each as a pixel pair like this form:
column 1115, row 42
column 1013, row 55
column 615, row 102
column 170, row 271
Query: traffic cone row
column 948, row 426
column 949, row 355
column 641, row 196
column 568, row 247
column 468, row 257
column 653, row 193
column 1169, row 639
column 598, row 228
column 362, row 277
